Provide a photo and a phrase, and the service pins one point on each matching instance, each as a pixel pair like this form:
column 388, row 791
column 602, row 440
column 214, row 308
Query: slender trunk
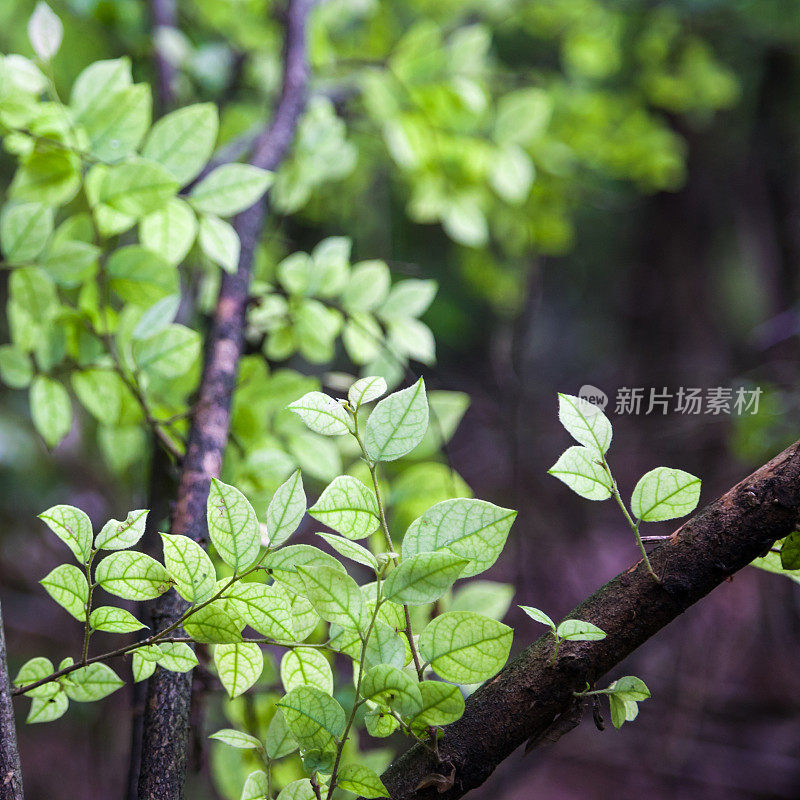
column 10, row 770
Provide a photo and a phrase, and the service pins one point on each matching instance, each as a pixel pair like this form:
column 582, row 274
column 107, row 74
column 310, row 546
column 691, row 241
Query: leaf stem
column 87, row 632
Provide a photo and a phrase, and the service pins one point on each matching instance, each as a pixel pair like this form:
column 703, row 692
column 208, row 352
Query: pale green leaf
column 232, row 525
column 322, row 414
column 335, row 596
column 380, row 724
column 190, row 567
column 512, row 173
column 34, row 670
column 366, row 390
column 47, row 709
column 410, row 338
column 351, row 550
column 397, row 424
column 141, row 667
column 385, row 646
column 578, row 467
column 367, row 287
column 121, row 534
column 286, row 509
column 665, row 493
column 538, row 615
column 239, row 666
column 586, row 422
column 230, row 189
column 45, row 31
column 424, row 578
column 361, row 780
column 408, row 298
column 101, row 393
column 238, row 739
column 489, row 598
column 114, row 620
column 157, row 317
column 280, row 741
column 140, row 276
column 256, row 786
column 93, row 682
column 67, row 585
column 170, row 231
column 389, row 686
column 622, row 710
column 220, row 242
column 211, row 624
column 170, row 352
column 132, row 576
column 442, row 703
column 24, row 230
column 298, row 790
column 16, row 368
column 183, row 140
column 306, row 666
column 471, row 529
column 577, row 630
column 117, row 122
column 102, row 79
column 137, row 188
column 51, row 409
column 263, row 608
column 314, row 718
column 629, row 688
column 283, row 564
column 176, row 656
column 349, row 507
column 464, row 647
column 73, row 527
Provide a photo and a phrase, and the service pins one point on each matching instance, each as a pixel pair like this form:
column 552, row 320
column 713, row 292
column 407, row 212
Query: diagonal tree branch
column 10, row 770
column 532, row 701
column 166, row 719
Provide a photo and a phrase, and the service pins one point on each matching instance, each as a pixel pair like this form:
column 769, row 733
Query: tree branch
column 166, row 718
column 10, row 770
column 529, row 698
column 163, row 16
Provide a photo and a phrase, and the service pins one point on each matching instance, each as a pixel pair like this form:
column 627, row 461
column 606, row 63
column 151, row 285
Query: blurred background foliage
column 606, row 193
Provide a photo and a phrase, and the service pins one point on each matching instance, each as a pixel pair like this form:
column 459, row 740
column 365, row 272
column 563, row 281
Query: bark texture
column 10, row 770
column 531, row 701
column 166, row 714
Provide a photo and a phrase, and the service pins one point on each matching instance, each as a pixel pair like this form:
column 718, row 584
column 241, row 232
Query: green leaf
column 351, row 550
column 121, row 534
column 512, row 173
column 157, row 317
column 16, row 368
column 389, row 686
column 239, row 666
column 232, row 525
column 622, row 710
column 361, row 780
column 629, row 688
column 539, row 616
column 349, row 507
column 771, row 562
column 48, row 175
column 183, row 140
column 280, row 741
column 102, row 79
column 316, row 327
column 471, row 529
column 190, row 567
column 367, row 287
column 67, row 585
column 385, row 646
column 32, row 303
column 424, row 578
column 409, row 298
column 790, row 551
column 132, row 576
column 24, row 230
column 256, row 786
column 586, row 422
column 211, row 624
column 170, row 352
column 238, row 739
column 397, row 424
column 665, row 493
column 298, row 790
column 93, row 682
column 117, row 122
column 264, row 609
column 101, row 392
column 366, row 390
column 489, row 598
column 322, row 414
column 114, row 620
column 139, row 276
column 315, row 719
column 230, row 189
column 220, row 242
column 137, row 188
column 306, row 666
column 176, row 656
column 577, row 630
column 283, row 564
column 335, row 596
column 413, row 339
column 380, row 724
column 465, row 648
column 141, row 668
column 70, row 263
column 34, row 670
column 286, row 510
column 363, row 338
column 73, row 527
column 442, row 703
column 579, row 469
column 50, row 409
column 47, row 709
column 170, row 231
column 45, row 31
